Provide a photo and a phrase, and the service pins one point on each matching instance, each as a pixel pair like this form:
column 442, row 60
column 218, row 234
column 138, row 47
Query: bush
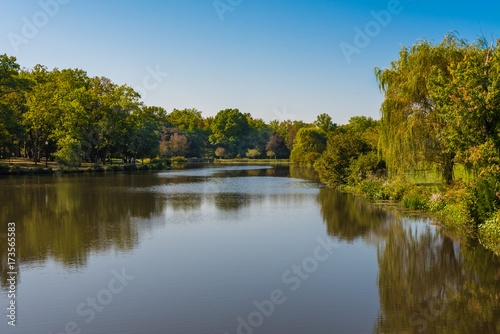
column 373, row 188
column 16, row 170
column 364, row 165
column 97, row 168
column 415, row 199
column 341, row 151
column 481, row 200
column 436, row 202
column 179, row 159
column 4, row 169
column 113, row 168
column 70, row 152
column 41, row 170
column 489, row 233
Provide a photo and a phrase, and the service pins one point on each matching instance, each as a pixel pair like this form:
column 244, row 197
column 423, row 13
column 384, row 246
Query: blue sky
column 274, row 59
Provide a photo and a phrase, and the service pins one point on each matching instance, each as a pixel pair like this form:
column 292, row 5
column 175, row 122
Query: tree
column 308, row 146
column 11, row 105
column 229, row 127
column 412, row 123
column 469, row 97
column 42, row 108
column 145, row 136
column 177, row 145
column 252, row 153
column 277, row 145
column 324, row 122
column 270, row 154
column 342, row 149
column 220, row 152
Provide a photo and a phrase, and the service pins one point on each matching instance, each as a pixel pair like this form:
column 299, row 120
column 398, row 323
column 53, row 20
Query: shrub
column 179, row 159
column 70, row 152
column 364, row 165
column 415, row 199
column 97, row 168
column 373, row 188
column 342, row 149
column 481, row 200
column 4, row 169
column 16, row 170
column 113, row 168
column 489, row 233
column 436, row 202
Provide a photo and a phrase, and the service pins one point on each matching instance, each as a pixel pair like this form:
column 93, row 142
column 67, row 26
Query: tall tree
column 411, row 120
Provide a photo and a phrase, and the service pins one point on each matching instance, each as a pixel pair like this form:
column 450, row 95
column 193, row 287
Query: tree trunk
column 448, row 167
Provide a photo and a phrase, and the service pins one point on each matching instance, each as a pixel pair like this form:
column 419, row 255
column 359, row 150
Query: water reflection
column 426, row 281
column 348, row 217
column 429, row 284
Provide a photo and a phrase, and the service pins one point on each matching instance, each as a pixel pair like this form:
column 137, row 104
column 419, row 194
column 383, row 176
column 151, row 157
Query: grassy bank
column 470, row 208
column 23, row 166
column 252, row 161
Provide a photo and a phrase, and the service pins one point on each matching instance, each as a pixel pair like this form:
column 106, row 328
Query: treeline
column 440, row 115
column 71, row 117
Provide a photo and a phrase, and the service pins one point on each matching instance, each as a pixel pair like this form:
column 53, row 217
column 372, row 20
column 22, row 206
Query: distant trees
column 253, row 153
column 220, row 152
column 176, row 145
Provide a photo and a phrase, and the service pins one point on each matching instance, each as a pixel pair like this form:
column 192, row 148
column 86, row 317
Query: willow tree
column 411, row 123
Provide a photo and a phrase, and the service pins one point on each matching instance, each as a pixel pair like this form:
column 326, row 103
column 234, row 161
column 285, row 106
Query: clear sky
column 276, row 59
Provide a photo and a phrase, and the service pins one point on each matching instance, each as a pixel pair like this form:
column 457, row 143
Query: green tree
column 324, row 122
column 342, row 149
column 412, row 123
column 253, row 153
column 308, row 146
column 229, row 127
column 12, row 103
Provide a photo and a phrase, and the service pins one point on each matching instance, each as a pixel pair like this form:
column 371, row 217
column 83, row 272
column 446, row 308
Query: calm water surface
column 232, row 250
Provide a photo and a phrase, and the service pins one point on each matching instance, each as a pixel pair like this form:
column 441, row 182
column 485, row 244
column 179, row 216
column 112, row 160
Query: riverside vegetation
column 435, row 148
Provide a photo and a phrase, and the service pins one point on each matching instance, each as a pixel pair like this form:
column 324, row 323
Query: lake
column 231, row 249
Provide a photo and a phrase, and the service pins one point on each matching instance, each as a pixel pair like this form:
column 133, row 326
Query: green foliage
column 324, row 122
column 489, row 233
column 252, row 153
column 364, row 165
column 179, row 159
column 481, row 200
column 70, row 152
column 415, row 199
column 342, row 149
column 308, row 147
column 413, row 126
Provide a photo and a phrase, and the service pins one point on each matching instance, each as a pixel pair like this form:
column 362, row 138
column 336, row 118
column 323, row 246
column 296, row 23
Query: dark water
column 232, row 250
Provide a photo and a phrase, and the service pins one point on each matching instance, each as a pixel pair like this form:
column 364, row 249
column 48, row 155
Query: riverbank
column 460, row 207
column 24, row 166
column 253, row 161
